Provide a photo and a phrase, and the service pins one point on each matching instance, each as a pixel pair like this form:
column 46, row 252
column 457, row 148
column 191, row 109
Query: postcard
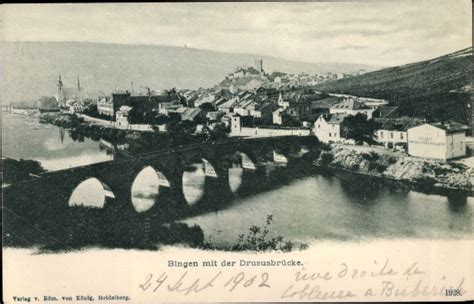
column 236, row 152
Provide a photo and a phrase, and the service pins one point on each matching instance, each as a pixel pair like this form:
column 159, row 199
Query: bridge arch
column 91, row 192
column 245, row 159
column 147, row 185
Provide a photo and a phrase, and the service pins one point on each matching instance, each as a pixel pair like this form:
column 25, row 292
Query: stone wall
column 112, row 124
column 270, row 132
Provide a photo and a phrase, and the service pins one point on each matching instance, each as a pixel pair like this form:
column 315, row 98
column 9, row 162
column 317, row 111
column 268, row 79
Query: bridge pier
column 43, row 201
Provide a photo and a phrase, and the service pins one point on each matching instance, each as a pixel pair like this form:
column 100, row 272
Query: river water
column 24, row 137
column 304, row 210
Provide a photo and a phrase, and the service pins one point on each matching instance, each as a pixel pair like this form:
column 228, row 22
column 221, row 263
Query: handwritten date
column 187, row 284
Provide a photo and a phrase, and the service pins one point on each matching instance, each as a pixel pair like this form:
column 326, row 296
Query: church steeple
column 78, row 84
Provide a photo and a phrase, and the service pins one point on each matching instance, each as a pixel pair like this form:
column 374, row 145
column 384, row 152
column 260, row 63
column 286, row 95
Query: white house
column 121, row 119
column 75, row 106
column 327, row 128
column 350, row 106
column 444, row 140
column 393, row 131
column 277, row 116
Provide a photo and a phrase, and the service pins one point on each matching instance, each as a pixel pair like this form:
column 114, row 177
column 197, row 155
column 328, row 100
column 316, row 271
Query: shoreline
column 422, row 175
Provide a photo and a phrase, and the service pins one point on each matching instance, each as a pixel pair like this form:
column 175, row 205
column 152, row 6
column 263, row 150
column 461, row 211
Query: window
column 329, row 134
column 381, row 134
column 333, row 126
column 401, row 135
column 319, row 126
column 391, row 135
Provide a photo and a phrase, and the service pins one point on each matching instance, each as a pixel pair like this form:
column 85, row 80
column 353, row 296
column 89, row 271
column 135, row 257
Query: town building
column 322, row 106
column 282, row 103
column 195, row 115
column 392, row 132
column 168, row 108
column 386, row 112
column 277, row 116
column 142, row 103
column 328, row 127
column 121, row 120
column 441, row 140
column 266, row 111
column 351, row 106
column 238, row 128
column 105, row 106
column 75, row 106
column 228, row 105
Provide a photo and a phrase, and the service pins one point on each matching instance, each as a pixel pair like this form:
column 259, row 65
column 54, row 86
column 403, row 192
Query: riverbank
column 422, row 173
column 79, row 126
column 139, row 141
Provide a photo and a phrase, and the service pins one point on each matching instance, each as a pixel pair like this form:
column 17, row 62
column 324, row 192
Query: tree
column 220, row 131
column 161, row 119
column 48, row 103
column 359, row 128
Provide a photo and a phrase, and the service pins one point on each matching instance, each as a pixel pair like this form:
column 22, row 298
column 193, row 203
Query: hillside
column 32, row 68
column 436, row 89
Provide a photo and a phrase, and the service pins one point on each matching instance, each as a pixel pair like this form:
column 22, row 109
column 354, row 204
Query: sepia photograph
column 225, row 152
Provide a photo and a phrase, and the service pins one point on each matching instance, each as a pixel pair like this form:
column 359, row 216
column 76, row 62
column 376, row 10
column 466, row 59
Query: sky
column 376, row 33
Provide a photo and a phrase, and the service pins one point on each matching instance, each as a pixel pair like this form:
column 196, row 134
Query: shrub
column 355, row 167
column 181, row 233
column 257, row 239
column 392, row 160
column 326, row 158
column 372, row 156
column 380, row 168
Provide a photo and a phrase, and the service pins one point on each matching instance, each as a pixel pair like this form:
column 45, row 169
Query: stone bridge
column 51, row 192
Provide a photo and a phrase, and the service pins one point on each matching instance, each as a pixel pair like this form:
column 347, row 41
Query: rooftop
column 351, row 104
column 325, row 103
column 268, row 106
column 399, row 124
column 190, row 114
column 334, row 119
column 450, row 126
column 386, row 111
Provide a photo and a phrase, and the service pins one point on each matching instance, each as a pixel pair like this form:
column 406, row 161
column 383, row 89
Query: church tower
column 61, row 100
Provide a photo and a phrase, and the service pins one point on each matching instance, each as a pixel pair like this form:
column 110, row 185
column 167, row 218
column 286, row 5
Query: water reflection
column 360, row 190
column 194, row 181
column 145, row 189
column 235, row 178
column 90, row 193
column 26, row 138
column 457, row 202
column 327, row 207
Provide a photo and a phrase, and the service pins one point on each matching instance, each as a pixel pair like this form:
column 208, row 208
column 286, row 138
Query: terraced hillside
column 436, row 89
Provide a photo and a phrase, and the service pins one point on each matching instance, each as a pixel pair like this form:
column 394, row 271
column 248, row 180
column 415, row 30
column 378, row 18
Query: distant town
column 253, row 103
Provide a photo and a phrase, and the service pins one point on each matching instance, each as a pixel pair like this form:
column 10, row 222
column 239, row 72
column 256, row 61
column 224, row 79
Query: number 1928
column 453, row 292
